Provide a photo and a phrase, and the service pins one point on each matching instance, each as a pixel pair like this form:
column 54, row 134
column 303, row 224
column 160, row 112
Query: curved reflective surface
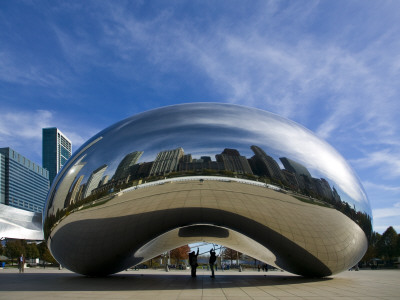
column 237, row 176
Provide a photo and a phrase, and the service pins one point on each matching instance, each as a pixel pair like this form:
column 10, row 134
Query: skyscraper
column 234, row 162
column 295, row 167
column 128, row 161
column 23, row 184
column 56, row 150
column 94, row 179
column 266, row 165
column 166, row 162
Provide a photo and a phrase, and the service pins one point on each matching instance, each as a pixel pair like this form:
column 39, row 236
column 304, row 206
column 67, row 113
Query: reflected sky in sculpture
column 279, row 191
column 206, row 129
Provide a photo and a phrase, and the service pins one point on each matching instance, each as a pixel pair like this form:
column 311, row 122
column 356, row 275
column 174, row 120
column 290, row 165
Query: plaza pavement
column 160, row 285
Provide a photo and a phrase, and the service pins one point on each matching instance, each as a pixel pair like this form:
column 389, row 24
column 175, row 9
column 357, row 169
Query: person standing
column 21, row 263
column 193, row 261
column 212, row 260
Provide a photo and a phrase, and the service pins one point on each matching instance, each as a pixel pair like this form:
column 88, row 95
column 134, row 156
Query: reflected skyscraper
column 56, row 150
column 234, row 162
column 94, row 180
column 75, row 189
column 295, row 167
column 64, row 188
column 125, row 164
column 166, row 162
column 265, row 164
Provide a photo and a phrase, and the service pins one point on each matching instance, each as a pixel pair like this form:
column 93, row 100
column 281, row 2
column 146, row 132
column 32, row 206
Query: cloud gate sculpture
column 240, row 177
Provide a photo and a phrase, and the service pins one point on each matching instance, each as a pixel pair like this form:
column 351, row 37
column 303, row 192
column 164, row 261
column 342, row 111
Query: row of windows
column 63, row 141
column 27, row 189
column 34, row 199
column 65, row 153
column 21, row 191
column 15, row 168
column 26, row 206
column 29, row 164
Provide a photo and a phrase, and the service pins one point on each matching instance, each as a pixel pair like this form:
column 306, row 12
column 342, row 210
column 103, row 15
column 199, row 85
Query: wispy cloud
column 381, row 228
column 24, row 125
column 385, row 217
column 22, row 131
column 16, row 70
column 393, row 211
column 261, row 69
column 382, row 161
column 388, row 188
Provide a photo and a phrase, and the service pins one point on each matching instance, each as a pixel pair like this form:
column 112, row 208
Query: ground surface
column 160, row 285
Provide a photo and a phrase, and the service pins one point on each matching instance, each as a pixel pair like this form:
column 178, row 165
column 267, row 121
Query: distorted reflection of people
column 212, row 260
column 193, row 261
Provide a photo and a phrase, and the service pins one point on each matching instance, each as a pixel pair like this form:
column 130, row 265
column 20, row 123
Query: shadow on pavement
column 140, row 282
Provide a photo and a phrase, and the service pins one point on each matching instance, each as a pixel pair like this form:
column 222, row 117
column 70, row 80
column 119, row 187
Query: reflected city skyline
column 229, row 163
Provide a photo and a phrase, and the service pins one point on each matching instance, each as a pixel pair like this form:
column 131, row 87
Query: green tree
column 1, row 249
column 32, row 251
column 372, row 251
column 14, row 248
column 387, row 245
column 398, row 245
column 230, row 254
column 44, row 253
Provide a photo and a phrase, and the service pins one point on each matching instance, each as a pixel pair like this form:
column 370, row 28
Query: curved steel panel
column 17, row 223
column 241, row 177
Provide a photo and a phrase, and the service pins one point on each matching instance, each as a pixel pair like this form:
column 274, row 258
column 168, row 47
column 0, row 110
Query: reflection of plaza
column 320, row 231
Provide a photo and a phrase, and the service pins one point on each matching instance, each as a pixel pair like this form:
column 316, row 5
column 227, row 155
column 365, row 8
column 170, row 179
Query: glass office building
column 23, row 184
column 57, row 148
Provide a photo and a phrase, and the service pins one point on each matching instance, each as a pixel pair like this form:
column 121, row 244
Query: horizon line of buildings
column 294, row 175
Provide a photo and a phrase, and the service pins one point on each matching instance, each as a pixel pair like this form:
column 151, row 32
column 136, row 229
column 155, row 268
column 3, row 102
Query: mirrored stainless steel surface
column 237, row 176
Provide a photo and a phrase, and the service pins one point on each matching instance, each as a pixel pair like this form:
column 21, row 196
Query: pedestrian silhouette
column 193, row 261
column 212, row 260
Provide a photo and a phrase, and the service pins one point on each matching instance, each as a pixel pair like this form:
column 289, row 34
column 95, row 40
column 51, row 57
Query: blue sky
column 332, row 66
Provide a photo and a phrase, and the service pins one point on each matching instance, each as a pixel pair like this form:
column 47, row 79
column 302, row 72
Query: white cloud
column 385, row 217
column 382, row 160
column 289, row 71
column 22, row 131
column 24, row 125
column 260, row 68
column 388, row 188
column 382, row 228
column 393, row 211
column 15, row 69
